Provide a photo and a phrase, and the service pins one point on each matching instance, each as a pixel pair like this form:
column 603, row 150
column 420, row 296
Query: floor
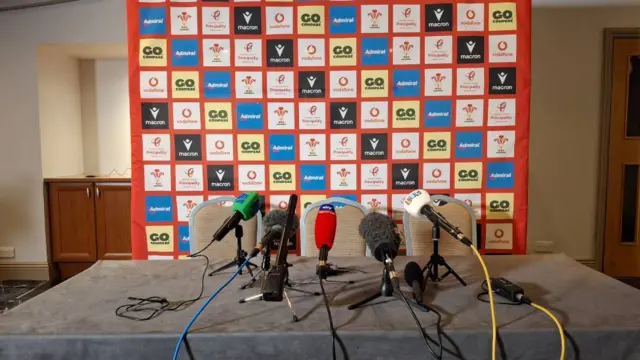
column 14, row 292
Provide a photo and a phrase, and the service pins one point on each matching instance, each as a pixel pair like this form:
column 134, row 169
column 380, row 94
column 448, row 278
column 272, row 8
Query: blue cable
column 213, row 296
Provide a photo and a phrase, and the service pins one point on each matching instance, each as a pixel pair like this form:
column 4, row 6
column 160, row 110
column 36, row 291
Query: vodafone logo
column 405, row 143
column 219, row 144
column 186, row 113
column 374, row 112
column 471, row 14
column 503, row 46
column 252, row 175
column 436, row 173
column 498, row 233
column 311, row 50
column 343, row 81
column 153, row 82
column 344, row 141
column 279, row 17
column 282, row 205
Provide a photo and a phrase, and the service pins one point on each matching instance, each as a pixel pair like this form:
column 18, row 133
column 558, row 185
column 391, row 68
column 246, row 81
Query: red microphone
column 325, row 234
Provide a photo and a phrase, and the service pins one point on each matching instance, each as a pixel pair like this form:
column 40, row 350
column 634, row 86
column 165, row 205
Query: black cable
column 157, row 304
column 332, row 329
column 486, row 292
column 422, row 332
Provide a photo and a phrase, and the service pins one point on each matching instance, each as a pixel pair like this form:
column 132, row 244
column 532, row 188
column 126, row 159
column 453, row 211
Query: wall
column 567, row 65
column 59, row 107
column 22, row 223
column 106, row 126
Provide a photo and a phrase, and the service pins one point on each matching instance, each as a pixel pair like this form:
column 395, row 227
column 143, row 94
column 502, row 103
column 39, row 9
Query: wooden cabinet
column 88, row 221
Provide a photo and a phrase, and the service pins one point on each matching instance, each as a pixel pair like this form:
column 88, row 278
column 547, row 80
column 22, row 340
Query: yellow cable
column 494, row 326
column 555, row 320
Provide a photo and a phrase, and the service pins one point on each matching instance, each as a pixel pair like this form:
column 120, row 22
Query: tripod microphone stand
column 437, row 260
column 266, row 265
column 241, row 256
column 386, row 290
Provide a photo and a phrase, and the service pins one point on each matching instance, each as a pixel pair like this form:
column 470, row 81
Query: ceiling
column 536, row 3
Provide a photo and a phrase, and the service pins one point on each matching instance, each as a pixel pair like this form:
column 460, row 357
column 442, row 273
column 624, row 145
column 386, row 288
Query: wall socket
column 544, row 246
column 7, row 252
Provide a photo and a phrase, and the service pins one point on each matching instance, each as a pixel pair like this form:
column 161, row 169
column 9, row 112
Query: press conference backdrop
column 366, row 100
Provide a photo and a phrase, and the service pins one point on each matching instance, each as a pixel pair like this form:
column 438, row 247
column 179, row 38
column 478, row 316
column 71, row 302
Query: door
column 72, row 221
column 622, row 227
column 113, row 221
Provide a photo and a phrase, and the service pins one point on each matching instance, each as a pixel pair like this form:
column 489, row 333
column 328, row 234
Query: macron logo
column 343, row 112
column 374, row 143
column 187, row 144
column 405, row 172
column 439, row 13
column 220, row 174
column 311, row 80
column 247, row 17
column 471, row 45
column 279, row 49
column 154, row 112
column 503, row 77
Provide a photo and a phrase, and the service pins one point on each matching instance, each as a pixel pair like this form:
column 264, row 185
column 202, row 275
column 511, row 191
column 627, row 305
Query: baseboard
column 25, row 270
column 590, row 263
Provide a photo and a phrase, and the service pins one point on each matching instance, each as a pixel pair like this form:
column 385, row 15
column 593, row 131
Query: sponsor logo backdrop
column 367, row 100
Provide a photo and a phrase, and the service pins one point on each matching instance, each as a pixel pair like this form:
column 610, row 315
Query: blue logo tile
column 282, row 147
column 313, row 177
column 374, row 51
column 159, row 208
column 406, row 83
column 183, row 238
column 437, row 113
column 469, row 145
column 250, row 116
column 338, row 204
column 217, row 85
column 184, row 52
column 342, row 20
column 153, row 21
column 500, row 175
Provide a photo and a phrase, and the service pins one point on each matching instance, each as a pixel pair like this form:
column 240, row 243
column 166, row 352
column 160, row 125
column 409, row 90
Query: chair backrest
column 348, row 241
column 418, row 232
column 207, row 217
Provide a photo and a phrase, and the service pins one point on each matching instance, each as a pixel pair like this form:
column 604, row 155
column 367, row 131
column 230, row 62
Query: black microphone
column 273, row 224
column 273, row 284
column 382, row 237
column 413, row 277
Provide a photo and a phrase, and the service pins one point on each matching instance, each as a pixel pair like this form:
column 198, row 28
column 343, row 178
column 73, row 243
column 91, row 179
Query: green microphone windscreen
column 247, row 204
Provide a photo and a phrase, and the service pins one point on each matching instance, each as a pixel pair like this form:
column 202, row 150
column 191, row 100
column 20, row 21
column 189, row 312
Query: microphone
column 244, row 208
column 325, row 233
column 418, row 204
column 273, row 284
column 413, row 277
column 273, row 225
column 382, row 237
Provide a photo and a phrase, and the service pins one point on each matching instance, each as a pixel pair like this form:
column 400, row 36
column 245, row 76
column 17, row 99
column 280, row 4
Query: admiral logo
column 312, row 115
column 342, row 19
column 313, row 177
column 470, row 49
column 404, row 176
column 247, row 20
column 215, row 21
column 217, row 85
column 281, row 147
column 185, row 53
column 438, row 113
column 280, row 53
column 311, row 84
column 374, row 51
column 219, row 147
column 151, row 21
column 250, row 116
column 438, row 49
column 374, row 18
column 188, row 147
column 407, row 50
column 469, row 145
column 437, row 176
column 311, row 52
column 500, row 175
column 502, row 81
column 502, row 112
column 373, row 146
column 439, row 17
column 406, row 18
column 159, row 209
column 470, row 17
column 220, row 177
column 279, row 20
column 343, row 115
column 503, row 48
column 186, row 116
column 155, row 115
column 406, row 83
column 216, row 52
column 248, row 52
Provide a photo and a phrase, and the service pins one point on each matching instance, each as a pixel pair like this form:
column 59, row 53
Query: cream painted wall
column 88, row 101
column 22, row 223
column 59, row 106
column 566, row 92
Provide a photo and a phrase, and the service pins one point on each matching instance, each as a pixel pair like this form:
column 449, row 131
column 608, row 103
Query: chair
column 418, row 231
column 207, row 217
column 348, row 241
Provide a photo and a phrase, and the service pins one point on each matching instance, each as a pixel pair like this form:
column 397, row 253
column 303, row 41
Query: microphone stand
column 386, row 290
column 266, row 265
column 437, row 260
column 241, row 256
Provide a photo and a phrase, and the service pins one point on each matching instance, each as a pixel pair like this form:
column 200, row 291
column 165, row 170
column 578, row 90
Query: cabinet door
column 72, row 221
column 113, row 221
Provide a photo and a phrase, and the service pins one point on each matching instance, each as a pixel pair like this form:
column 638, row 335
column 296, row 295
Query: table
column 75, row 320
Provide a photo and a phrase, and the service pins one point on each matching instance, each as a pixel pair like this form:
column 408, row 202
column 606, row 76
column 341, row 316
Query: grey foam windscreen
column 278, row 219
column 413, row 272
column 380, row 234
